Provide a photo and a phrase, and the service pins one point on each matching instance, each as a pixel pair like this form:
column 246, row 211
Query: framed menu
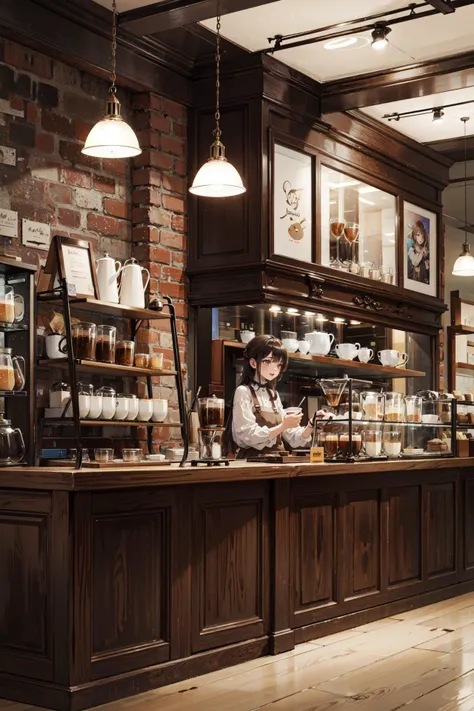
column 71, row 260
column 8, row 223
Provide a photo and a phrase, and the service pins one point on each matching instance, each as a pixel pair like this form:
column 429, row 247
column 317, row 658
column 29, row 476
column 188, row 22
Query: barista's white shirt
column 247, row 433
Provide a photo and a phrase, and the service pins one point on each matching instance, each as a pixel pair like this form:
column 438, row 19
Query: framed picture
column 72, row 260
column 292, row 204
column 420, row 259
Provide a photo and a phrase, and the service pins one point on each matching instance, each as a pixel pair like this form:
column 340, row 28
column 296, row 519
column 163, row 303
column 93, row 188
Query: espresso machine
column 211, row 431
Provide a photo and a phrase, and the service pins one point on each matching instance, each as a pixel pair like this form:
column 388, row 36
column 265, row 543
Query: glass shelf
column 390, row 423
column 12, row 327
column 13, row 393
column 69, row 422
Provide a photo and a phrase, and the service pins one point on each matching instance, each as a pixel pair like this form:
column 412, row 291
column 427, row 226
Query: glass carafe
column 7, row 373
column 211, row 411
column 12, row 444
column 19, row 370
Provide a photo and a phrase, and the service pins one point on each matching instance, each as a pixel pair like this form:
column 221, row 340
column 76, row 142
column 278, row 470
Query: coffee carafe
column 132, row 290
column 108, row 270
column 211, row 411
column 12, row 444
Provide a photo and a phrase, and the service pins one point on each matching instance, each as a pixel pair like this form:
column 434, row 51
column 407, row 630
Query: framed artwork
column 420, row 259
column 72, row 260
column 292, row 204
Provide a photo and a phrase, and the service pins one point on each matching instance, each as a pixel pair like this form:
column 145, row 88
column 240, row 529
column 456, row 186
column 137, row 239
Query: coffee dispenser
column 211, row 430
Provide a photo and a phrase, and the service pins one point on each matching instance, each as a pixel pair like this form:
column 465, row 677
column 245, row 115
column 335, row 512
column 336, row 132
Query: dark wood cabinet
column 404, row 535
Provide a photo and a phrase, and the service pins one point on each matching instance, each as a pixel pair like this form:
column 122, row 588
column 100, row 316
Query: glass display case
column 380, row 424
column 358, row 227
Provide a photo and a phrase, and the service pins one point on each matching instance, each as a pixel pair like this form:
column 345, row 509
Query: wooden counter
column 117, row 581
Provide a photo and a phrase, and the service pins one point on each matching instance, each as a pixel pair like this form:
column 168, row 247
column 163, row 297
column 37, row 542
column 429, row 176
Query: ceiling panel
column 124, row 5
column 423, row 128
column 427, row 38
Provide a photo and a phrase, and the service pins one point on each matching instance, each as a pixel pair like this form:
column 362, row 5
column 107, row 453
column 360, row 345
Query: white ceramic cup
column 55, row 345
column 303, row 347
column 160, row 409
column 347, row 351
column 109, row 405
column 145, row 410
column 121, row 409
column 365, row 354
column 392, row 358
column 291, row 344
column 95, row 409
column 133, row 408
column 84, row 405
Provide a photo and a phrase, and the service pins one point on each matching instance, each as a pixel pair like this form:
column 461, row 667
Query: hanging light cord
column 113, row 88
column 465, row 180
column 217, row 131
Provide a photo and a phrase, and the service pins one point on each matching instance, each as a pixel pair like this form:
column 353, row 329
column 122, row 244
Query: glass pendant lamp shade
column 217, row 177
column 112, row 137
column 464, row 264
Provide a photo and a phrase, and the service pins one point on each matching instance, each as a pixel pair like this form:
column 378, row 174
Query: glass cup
column 121, row 409
column 337, row 230
column 156, row 361
column 7, row 304
column 413, row 405
column 372, row 443
column 345, row 446
column 133, row 407
column 393, row 410
column 160, row 409
column 105, row 346
column 331, row 444
column 392, row 443
column 142, row 360
column 109, row 404
column 84, row 336
column 103, row 454
column 387, row 275
column 95, row 410
column 132, row 455
column 125, row 353
column 372, row 405
column 145, row 410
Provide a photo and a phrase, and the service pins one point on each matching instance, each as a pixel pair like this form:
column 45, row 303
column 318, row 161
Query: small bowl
column 155, row 457
column 430, row 419
column 304, row 346
column 104, row 454
column 246, row 336
column 132, row 455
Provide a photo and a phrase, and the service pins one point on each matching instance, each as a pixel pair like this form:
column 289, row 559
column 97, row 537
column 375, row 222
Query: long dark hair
column 258, row 348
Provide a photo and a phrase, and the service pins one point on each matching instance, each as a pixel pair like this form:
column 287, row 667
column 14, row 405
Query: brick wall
column 46, row 110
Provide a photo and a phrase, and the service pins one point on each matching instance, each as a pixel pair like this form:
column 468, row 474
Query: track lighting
column 438, row 115
column 379, row 36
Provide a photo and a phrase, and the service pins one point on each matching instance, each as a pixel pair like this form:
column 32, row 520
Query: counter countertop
column 87, row 479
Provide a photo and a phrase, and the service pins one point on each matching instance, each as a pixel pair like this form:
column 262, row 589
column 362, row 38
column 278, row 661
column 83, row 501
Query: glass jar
column 7, row 304
column 84, row 336
column 58, row 394
column 142, row 360
column 7, row 373
column 210, row 443
column 106, row 340
column 211, row 411
column 125, row 353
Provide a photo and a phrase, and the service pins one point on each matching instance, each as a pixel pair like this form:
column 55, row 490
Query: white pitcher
column 132, row 290
column 320, row 342
column 107, row 274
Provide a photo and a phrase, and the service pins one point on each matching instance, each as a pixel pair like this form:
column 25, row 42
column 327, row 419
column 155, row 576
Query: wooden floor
column 422, row 660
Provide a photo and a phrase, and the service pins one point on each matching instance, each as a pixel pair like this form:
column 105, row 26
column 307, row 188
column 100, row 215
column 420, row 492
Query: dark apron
column 264, row 418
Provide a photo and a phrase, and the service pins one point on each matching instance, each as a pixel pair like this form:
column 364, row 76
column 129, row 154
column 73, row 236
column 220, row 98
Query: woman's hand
column 291, row 420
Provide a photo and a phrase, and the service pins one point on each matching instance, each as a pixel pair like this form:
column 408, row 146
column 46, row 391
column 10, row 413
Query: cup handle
column 404, row 358
column 378, row 355
column 117, row 269
column 61, row 347
column 331, row 340
column 147, row 279
column 337, row 348
column 371, row 354
column 18, row 298
column 357, row 345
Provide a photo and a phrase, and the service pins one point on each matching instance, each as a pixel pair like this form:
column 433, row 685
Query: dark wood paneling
column 441, row 529
column 362, row 544
column 230, row 567
column 467, row 564
column 281, row 636
column 404, row 535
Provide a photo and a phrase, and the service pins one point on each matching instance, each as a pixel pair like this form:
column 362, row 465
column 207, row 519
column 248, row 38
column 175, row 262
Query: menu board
column 8, row 223
column 78, row 269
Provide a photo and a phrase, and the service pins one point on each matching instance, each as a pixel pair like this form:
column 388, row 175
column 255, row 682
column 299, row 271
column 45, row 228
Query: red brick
column 173, row 274
column 28, row 189
column 60, row 193
column 158, row 254
column 149, row 336
column 78, row 178
column 82, row 130
column 171, row 239
column 173, row 145
column 140, row 214
column 70, row 218
column 155, row 271
column 148, row 139
column 145, row 233
column 179, row 259
column 45, row 142
column 173, row 203
column 181, row 310
column 154, row 159
column 140, row 195
column 104, row 185
column 72, row 152
column 175, row 291
column 179, row 130
column 116, row 208
column 174, row 184
column 55, row 123
column 160, row 217
column 145, row 176
column 116, row 166
column 31, row 112
column 180, row 166
column 179, row 223
column 18, row 56
column 173, row 109
column 108, row 226
column 160, row 123
column 16, row 102
column 147, row 101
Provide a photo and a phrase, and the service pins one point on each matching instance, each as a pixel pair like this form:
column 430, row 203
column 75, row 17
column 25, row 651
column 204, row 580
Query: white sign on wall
column 8, row 223
column 36, row 234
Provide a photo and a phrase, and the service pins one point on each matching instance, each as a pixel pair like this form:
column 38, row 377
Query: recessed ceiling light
column 367, row 202
column 320, row 318
column 292, row 311
column 355, row 323
column 338, row 319
column 275, row 309
column 308, row 313
column 365, row 189
column 438, row 115
column 339, row 44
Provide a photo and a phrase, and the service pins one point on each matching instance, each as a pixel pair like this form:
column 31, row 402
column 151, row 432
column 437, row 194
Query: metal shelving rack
column 59, row 297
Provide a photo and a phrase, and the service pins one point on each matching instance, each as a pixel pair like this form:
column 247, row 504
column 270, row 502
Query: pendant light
column 217, row 177
column 112, row 137
column 464, row 264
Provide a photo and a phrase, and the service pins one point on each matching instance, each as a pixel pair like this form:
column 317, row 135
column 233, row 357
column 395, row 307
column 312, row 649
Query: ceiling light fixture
column 275, row 309
column 320, row 318
column 464, row 264
column 367, row 202
column 438, row 115
column 112, row 137
column 217, row 178
column 292, row 311
column 379, row 36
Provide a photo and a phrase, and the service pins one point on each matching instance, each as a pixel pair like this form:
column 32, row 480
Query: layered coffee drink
column 331, row 445
column 345, row 445
column 7, row 311
column 105, row 348
column 7, row 377
column 84, row 340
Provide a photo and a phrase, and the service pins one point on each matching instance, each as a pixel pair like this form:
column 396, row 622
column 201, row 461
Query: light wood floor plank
column 460, row 639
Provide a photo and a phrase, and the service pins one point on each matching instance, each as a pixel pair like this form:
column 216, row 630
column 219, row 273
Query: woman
column 418, row 254
column 257, row 422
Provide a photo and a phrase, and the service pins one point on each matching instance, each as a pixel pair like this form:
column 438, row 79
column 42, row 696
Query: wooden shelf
column 104, row 307
column 95, row 367
column 468, row 367
column 337, row 366
column 67, row 421
column 461, row 330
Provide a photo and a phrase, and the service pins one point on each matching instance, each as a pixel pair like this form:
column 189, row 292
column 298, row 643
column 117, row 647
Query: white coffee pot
column 108, row 270
column 320, row 342
column 132, row 290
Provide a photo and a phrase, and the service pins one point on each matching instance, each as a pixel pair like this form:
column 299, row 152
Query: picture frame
column 420, row 249
column 71, row 260
column 292, row 203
